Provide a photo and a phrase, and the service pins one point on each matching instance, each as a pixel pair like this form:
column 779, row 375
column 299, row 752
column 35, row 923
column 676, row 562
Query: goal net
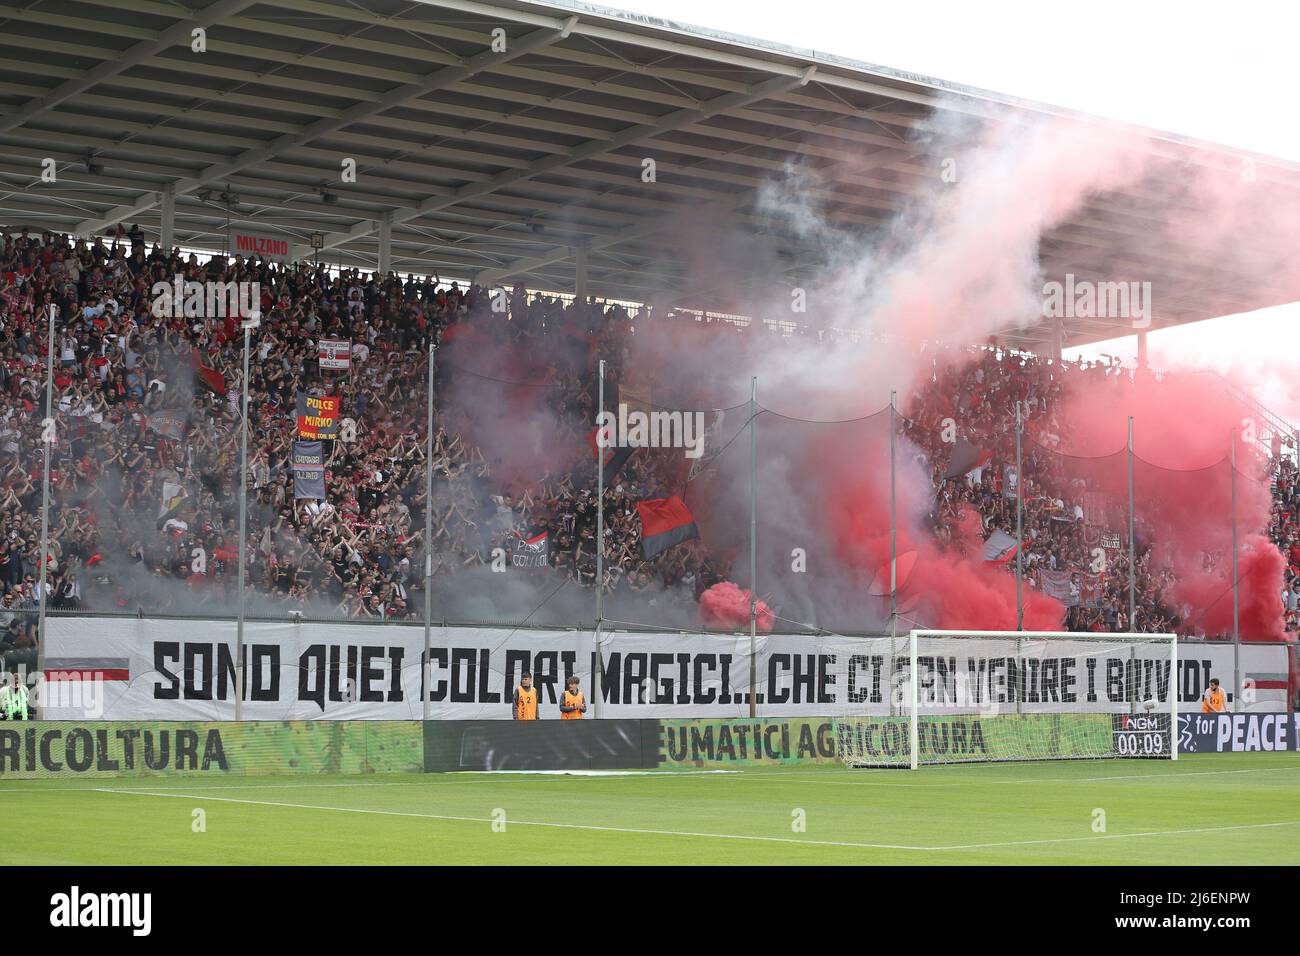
column 1006, row 695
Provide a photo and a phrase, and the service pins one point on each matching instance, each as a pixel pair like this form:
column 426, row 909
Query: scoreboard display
column 1141, row 735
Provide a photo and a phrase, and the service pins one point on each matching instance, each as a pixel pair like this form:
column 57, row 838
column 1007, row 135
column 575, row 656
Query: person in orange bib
column 572, row 704
column 1214, row 700
column 524, row 706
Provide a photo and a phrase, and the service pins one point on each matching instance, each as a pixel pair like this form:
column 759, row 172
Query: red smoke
column 726, row 606
column 1183, row 433
column 946, row 589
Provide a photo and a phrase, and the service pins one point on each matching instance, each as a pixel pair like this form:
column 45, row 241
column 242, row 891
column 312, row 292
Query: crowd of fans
column 1064, row 518
column 144, row 464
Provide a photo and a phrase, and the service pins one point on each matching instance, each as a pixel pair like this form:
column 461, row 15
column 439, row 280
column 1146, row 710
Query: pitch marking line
column 689, row 833
column 8, row 788
column 457, row 777
column 1173, row 775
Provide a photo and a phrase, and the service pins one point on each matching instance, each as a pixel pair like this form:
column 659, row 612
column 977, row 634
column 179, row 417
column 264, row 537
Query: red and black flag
column 613, row 458
column 966, row 457
column 1000, row 547
column 208, row 376
column 664, row 522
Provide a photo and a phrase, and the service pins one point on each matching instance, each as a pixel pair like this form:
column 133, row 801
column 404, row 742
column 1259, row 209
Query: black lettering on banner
column 342, row 685
column 703, row 695
column 725, row 746
column 103, row 762
column 225, row 672
column 311, row 675
column 825, row 739
column 395, row 656
column 724, row 693
column 10, row 743
column 198, row 663
column 79, row 749
column 163, row 652
column 743, row 731
column 609, row 687
column 804, row 680
column 925, row 685
column 462, row 675
column 1051, row 680
column 546, row 674
column 1092, row 679
column 826, row 678
column 683, row 679
column 47, row 758
column 213, row 751
column 438, row 656
column 945, row 679
column 128, row 737
column 982, row 682
column 661, row 687
column 1068, row 680
column 1114, row 680
column 264, row 658
column 1162, row 680
column 702, row 742
column 568, row 663
column 676, row 737
column 155, row 757
column 187, row 750
column 997, row 680
column 370, row 673
column 516, row 664
column 776, row 694
column 634, row 673
column 806, row 746
column 858, row 691
column 485, row 694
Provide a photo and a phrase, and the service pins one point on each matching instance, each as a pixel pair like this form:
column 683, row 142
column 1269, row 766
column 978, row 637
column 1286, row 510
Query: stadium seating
column 145, row 466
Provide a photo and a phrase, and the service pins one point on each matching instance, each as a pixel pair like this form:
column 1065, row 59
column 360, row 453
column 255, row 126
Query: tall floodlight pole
column 250, row 323
column 47, row 439
column 428, row 541
column 753, row 547
column 598, row 673
column 1020, row 527
column 1236, row 597
column 1132, row 547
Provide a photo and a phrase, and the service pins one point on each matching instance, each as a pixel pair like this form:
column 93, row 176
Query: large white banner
column 246, row 244
column 133, row 669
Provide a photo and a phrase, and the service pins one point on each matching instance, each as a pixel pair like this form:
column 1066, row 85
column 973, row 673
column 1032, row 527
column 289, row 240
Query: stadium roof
column 522, row 162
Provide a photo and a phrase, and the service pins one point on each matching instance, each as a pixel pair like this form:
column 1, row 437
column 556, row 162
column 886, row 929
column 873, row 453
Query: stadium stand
column 137, row 495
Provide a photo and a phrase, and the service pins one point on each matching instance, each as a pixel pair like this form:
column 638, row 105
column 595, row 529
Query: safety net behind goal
column 986, row 696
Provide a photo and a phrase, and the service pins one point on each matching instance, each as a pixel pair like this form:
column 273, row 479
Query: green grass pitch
column 1237, row 809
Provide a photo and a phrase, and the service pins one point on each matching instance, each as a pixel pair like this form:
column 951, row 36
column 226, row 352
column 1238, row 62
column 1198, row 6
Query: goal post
column 974, row 696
